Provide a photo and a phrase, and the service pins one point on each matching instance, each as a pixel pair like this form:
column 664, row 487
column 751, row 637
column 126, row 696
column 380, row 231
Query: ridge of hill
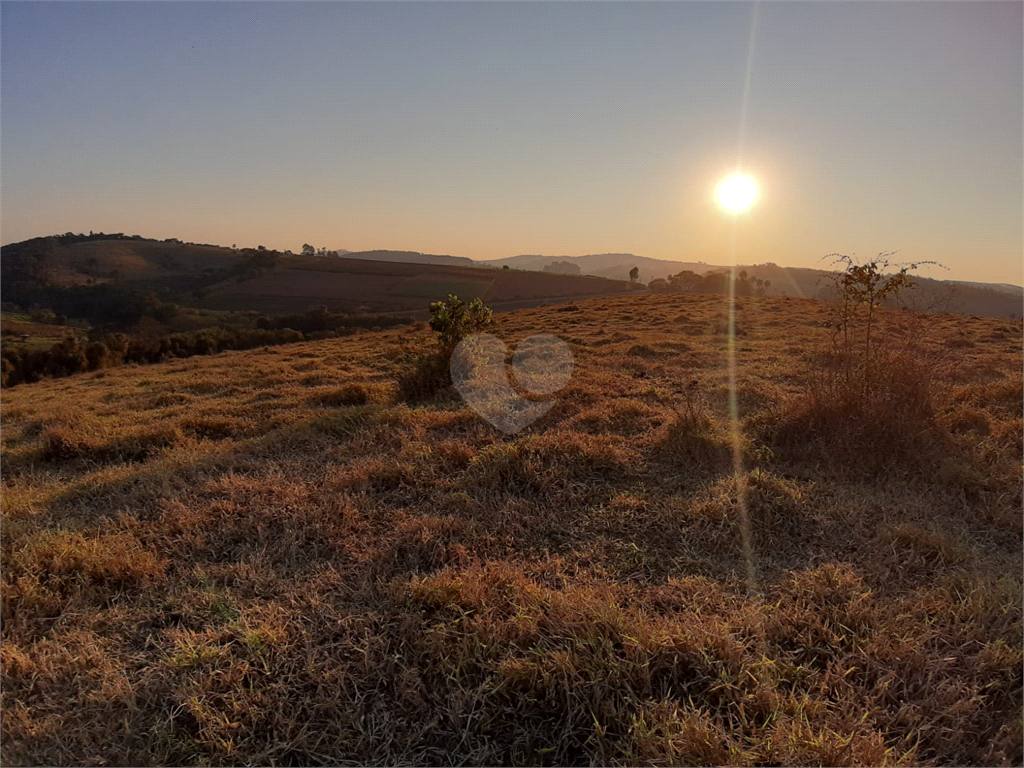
column 95, row 259
column 65, row 272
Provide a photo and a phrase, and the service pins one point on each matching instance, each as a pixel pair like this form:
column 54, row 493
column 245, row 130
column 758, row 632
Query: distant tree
column 505, row 266
column 686, row 279
column 634, row 274
column 563, row 268
column 308, row 250
column 715, row 282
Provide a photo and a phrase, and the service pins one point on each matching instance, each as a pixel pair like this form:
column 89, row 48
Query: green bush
column 453, row 320
column 425, row 374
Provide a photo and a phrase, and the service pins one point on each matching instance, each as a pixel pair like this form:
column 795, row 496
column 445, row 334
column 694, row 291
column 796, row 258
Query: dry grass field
column 263, row 557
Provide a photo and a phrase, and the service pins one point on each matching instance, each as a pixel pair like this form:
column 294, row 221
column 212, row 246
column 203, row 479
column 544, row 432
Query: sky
column 493, row 129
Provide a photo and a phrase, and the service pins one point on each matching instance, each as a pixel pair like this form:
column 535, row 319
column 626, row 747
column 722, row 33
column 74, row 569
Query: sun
column 736, row 193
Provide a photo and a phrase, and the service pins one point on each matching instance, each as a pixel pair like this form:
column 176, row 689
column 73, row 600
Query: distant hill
column 75, row 274
column 928, row 294
column 117, row 278
column 982, row 299
column 1015, row 290
column 612, row 265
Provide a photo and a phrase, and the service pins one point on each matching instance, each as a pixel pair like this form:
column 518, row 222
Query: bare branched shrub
column 857, row 342
column 882, row 376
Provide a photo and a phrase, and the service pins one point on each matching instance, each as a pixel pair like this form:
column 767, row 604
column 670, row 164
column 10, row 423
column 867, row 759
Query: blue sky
column 486, row 130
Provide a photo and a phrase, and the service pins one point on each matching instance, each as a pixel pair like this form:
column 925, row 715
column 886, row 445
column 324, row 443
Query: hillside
column 69, row 260
column 74, row 274
column 408, row 257
column 265, row 557
column 296, row 283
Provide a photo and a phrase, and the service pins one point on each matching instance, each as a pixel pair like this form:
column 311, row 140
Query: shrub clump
column 424, row 375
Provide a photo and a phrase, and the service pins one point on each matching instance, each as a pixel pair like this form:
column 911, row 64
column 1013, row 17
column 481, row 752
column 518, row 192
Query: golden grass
column 265, row 557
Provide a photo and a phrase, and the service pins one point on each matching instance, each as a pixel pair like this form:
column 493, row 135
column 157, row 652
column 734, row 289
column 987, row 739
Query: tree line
column 712, row 282
column 20, row 364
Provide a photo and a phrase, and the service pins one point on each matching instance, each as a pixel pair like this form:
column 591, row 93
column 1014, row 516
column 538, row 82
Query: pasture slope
column 262, row 557
column 298, row 283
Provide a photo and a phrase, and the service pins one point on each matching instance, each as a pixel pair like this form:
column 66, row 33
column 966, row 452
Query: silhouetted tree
column 634, row 274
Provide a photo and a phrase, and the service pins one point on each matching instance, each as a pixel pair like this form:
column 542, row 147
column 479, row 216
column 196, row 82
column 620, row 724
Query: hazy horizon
column 492, row 130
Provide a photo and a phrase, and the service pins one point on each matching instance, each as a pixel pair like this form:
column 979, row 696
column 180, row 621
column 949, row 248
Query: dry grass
column 269, row 557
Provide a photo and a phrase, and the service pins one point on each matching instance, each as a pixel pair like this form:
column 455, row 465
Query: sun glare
column 736, row 193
